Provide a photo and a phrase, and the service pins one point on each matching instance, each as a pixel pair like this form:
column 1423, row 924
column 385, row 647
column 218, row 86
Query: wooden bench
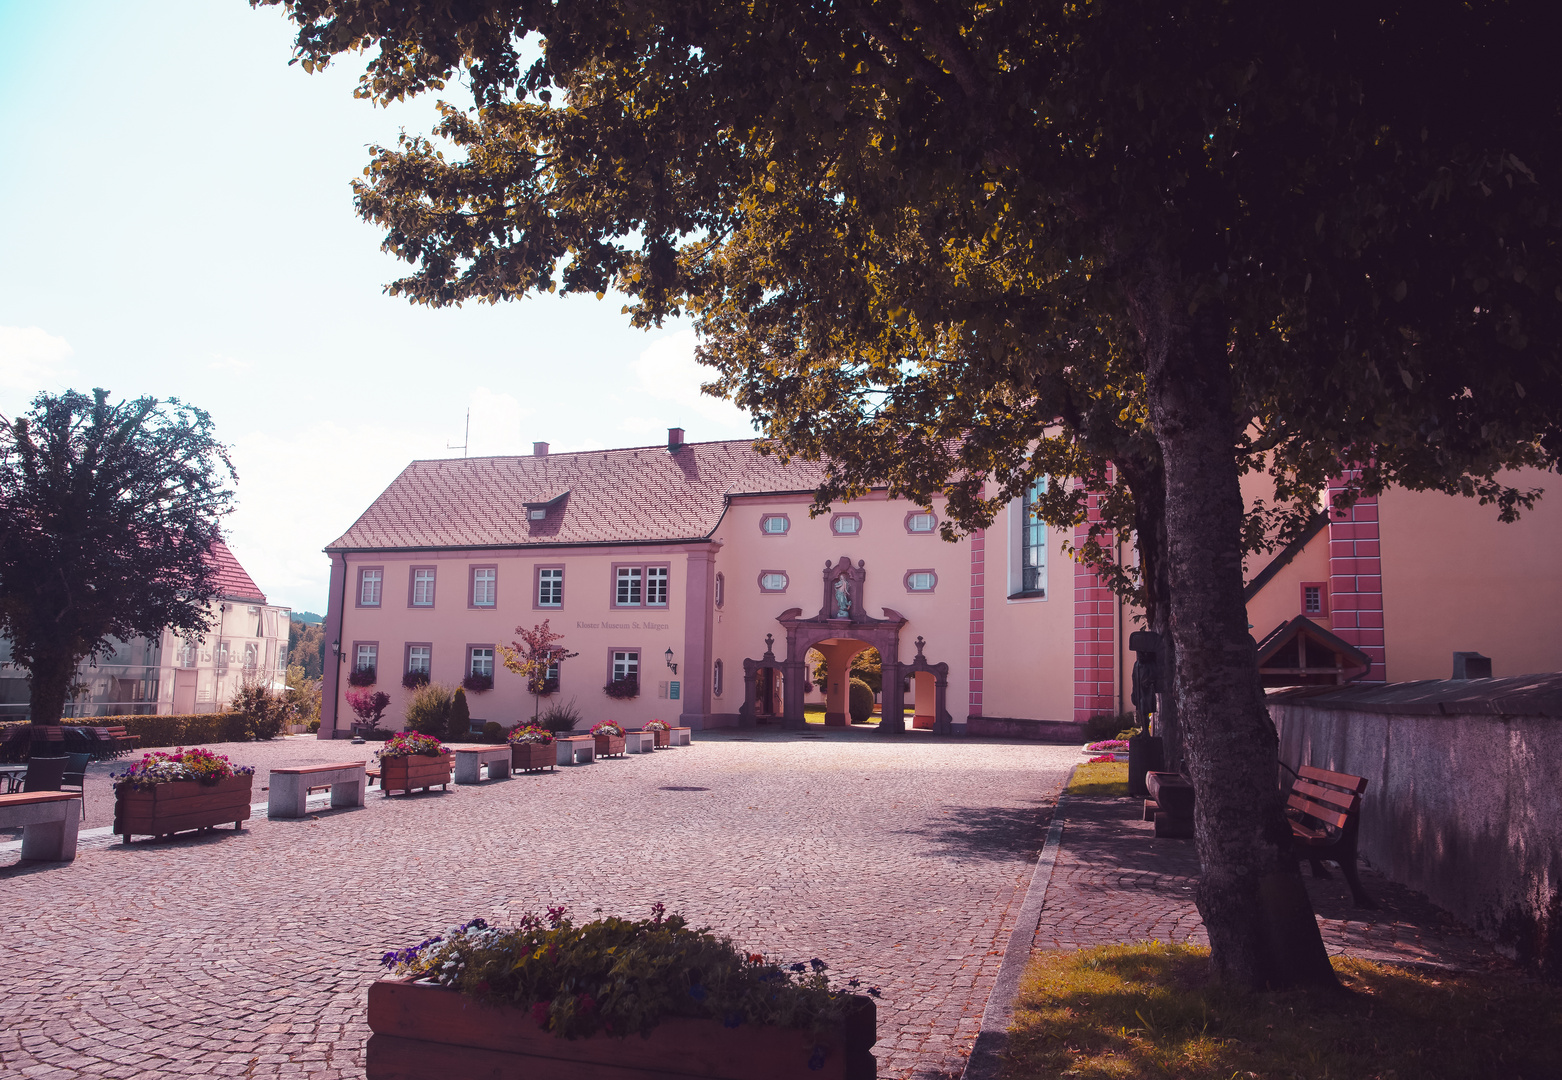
column 470, row 762
column 290, row 787
column 571, row 749
column 1171, row 807
column 1325, row 812
column 49, row 821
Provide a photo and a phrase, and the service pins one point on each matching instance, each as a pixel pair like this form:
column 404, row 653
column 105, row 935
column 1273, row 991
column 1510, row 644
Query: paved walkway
column 1114, row 883
column 900, row 860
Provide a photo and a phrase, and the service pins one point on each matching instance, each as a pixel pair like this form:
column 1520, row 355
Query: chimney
column 539, row 449
column 674, row 439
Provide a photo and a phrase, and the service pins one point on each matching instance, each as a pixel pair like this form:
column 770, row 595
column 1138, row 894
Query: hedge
column 189, row 729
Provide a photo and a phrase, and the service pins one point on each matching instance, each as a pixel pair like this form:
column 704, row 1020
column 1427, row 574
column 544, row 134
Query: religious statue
column 843, row 599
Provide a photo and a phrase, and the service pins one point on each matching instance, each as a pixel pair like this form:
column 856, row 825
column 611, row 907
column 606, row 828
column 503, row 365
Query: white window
column 550, row 588
column 846, row 524
column 423, row 587
column 418, row 659
column 1312, row 596
column 715, row 679
column 482, row 662
column 772, row 581
column 282, row 658
column 921, row 581
column 369, row 587
column 656, row 586
column 626, row 665
column 368, row 657
column 775, row 524
column 628, row 594
column 1033, row 547
column 721, row 590
column 485, row 586
column 920, row 523
column 538, row 515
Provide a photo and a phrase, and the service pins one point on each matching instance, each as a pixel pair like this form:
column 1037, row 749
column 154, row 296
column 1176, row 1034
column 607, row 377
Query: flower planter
column 661, row 737
column 609, row 745
column 183, row 804
column 415, row 771
column 526, row 756
column 425, row 1032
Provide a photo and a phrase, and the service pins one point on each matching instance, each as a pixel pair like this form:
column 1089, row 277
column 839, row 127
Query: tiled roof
column 233, row 583
column 643, row 494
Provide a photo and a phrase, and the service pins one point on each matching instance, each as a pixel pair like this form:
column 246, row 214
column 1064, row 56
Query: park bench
column 290, row 787
column 575, row 749
column 49, row 821
column 470, row 762
column 1170, row 804
column 1325, row 812
column 114, row 740
column 639, row 742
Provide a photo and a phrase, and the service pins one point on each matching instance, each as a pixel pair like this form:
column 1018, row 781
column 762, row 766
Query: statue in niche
column 843, row 599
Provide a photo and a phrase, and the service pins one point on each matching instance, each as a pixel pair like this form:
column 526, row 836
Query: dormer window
column 538, row 515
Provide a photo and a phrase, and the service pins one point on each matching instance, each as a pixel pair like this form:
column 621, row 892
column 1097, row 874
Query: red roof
column 643, row 494
column 233, row 582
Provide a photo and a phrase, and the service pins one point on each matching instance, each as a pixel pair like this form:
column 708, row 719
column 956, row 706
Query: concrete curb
column 986, row 1058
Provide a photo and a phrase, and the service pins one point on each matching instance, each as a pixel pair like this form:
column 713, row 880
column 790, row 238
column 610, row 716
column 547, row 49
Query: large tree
column 957, row 246
column 108, row 512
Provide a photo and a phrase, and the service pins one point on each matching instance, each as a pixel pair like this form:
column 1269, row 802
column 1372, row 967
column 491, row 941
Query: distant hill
column 308, row 618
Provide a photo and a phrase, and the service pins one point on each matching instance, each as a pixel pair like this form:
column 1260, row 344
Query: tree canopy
column 108, row 512
column 955, row 247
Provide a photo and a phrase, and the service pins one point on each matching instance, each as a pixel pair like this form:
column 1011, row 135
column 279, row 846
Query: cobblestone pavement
column 1113, row 883
column 901, row 860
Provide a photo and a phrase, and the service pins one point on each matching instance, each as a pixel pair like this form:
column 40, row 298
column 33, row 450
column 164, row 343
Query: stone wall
column 1463, row 800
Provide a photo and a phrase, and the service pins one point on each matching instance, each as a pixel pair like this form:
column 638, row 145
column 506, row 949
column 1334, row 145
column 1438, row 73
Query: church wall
column 1028, row 669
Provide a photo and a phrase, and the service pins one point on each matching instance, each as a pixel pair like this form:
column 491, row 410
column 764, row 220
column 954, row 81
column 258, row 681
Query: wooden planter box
column 526, row 756
column 415, row 771
column 182, row 805
column 609, row 745
column 661, row 737
column 425, row 1032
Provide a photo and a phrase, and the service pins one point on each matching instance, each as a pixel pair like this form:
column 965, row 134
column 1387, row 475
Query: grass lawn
column 1105, row 778
column 1150, row 1011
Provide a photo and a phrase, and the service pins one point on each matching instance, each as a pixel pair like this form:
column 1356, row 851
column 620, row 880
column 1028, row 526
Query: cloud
column 668, row 372
column 496, row 424
column 32, row 360
column 219, row 362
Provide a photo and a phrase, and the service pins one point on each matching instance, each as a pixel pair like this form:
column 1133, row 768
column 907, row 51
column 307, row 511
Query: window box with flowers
column 623, row 689
column 478, row 682
column 173, row 791
column 610, row 739
column 531, row 748
column 659, row 728
column 362, row 676
column 411, row 761
column 670, row 1001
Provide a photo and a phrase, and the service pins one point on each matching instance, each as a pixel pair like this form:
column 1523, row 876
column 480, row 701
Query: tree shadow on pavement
column 1001, row 833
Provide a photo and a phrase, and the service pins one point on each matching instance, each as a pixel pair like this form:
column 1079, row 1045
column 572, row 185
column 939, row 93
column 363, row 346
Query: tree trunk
column 1260, row 922
column 1147, row 480
column 49, row 680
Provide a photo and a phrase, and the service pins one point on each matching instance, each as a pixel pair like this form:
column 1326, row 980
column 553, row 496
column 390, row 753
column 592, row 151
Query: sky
column 176, row 220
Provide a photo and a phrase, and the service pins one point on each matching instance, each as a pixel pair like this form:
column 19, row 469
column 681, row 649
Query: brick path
column 1114, row 883
column 902, row 861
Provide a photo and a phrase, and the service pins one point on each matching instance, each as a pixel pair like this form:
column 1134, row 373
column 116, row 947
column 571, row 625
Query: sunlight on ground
column 1103, row 778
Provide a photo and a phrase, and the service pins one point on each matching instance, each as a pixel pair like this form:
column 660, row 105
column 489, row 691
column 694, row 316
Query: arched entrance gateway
column 840, row 631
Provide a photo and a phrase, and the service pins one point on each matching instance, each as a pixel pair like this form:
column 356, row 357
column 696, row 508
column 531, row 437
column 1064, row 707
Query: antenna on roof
column 465, row 439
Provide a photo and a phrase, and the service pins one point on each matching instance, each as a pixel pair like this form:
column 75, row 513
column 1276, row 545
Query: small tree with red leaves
column 532, row 656
column 369, row 706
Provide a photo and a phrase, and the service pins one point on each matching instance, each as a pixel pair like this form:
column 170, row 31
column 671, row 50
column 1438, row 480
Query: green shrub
column 458, row 726
column 264, row 712
column 1106, row 726
column 559, row 717
column 314, row 726
column 861, row 704
column 185, row 729
column 493, row 732
column 428, row 710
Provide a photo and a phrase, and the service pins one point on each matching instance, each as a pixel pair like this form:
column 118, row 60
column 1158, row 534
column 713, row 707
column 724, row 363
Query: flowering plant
column 621, row 977
column 410, row 743
column 656, row 725
column 531, row 733
column 165, row 767
column 607, row 727
column 1103, row 757
column 1110, row 746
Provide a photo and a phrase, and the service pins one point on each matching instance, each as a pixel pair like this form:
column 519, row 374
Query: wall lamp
column 669, row 655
